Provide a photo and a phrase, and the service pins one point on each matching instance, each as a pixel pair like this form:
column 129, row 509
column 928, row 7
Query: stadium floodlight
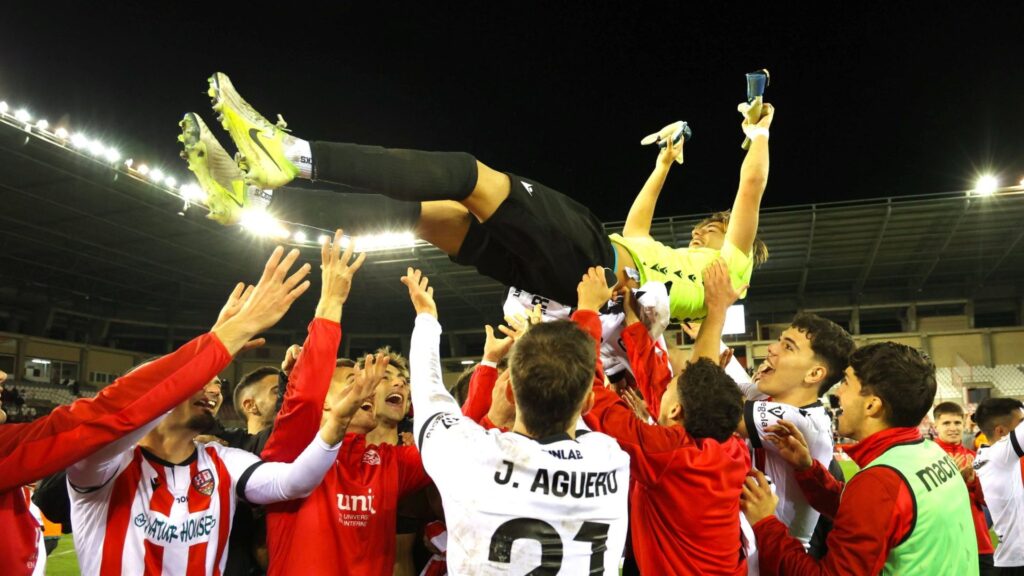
column 61, row 133
column 80, row 141
column 97, row 148
column 170, row 182
column 385, row 241
column 112, row 155
column 22, row 115
column 299, row 237
column 192, row 193
column 467, row 362
column 261, row 223
column 42, row 124
column 323, row 239
column 156, row 175
column 143, row 169
column 3, row 107
column 986, row 185
column 1022, row 181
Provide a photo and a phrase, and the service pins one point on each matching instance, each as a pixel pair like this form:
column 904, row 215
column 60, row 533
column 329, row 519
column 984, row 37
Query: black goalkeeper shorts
column 539, row 240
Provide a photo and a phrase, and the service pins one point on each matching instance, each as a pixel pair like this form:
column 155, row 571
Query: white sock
column 297, row 152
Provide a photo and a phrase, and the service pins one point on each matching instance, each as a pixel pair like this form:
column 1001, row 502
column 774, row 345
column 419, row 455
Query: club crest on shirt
column 371, row 457
column 777, row 411
column 203, row 482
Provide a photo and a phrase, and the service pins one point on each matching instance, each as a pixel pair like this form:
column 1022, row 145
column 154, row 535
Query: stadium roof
column 93, row 252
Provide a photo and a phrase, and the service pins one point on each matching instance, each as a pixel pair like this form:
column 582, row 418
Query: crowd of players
column 542, row 465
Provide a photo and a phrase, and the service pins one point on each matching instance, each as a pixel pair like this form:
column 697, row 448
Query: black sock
column 356, row 213
column 410, row 175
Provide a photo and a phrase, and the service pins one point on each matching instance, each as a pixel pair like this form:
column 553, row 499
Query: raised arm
column 70, row 433
column 719, row 294
column 299, row 418
column 753, row 178
column 638, row 222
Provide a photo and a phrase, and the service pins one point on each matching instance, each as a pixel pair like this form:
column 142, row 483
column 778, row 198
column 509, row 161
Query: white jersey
column 514, row 504
column 157, row 518
column 144, row 515
column 1000, row 467
column 814, row 423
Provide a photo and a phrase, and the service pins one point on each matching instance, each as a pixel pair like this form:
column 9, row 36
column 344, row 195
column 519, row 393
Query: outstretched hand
column 239, row 296
column 420, row 292
column 593, row 292
column 337, row 270
column 495, row 348
column 719, row 293
column 269, row 300
column 791, row 444
column 361, row 388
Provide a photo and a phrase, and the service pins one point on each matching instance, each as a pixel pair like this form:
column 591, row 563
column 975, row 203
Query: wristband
column 488, row 363
column 757, row 131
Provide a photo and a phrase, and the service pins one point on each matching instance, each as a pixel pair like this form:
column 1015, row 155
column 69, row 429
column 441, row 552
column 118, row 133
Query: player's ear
column 815, row 375
column 675, row 413
column 588, row 402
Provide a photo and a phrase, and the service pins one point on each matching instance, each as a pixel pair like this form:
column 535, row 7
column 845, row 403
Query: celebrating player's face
column 392, row 397
column 200, row 411
column 710, row 235
column 789, row 363
column 264, row 398
column 364, row 420
column 950, row 428
column 851, row 405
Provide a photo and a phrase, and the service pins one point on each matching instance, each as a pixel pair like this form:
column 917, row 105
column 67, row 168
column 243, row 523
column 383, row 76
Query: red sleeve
column 69, row 433
column 877, row 513
column 478, row 399
column 299, row 418
column 821, row 489
column 590, row 323
column 651, row 369
column 643, row 442
column 411, row 475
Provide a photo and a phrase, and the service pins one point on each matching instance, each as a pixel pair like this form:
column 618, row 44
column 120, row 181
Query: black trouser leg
column 410, row 175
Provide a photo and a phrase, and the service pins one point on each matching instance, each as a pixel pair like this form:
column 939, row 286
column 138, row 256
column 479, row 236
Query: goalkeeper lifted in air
column 510, row 228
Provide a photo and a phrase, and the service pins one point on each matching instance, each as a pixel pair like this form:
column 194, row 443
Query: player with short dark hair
column 255, row 397
column 36, row 449
column 1000, row 467
column 949, row 424
column 545, row 482
column 689, row 469
column 906, row 512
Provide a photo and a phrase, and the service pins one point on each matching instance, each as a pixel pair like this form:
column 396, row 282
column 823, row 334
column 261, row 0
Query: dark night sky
column 872, row 101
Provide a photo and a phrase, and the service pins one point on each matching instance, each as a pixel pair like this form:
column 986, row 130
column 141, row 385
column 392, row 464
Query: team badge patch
column 203, row 482
column 371, row 457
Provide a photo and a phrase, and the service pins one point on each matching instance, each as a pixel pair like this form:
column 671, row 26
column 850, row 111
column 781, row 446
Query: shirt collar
column 865, row 451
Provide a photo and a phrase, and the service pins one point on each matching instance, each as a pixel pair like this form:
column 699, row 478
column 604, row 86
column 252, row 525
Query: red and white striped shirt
column 155, row 517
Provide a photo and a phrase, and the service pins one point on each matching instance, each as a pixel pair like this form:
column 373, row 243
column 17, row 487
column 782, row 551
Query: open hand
column 337, row 270
column 790, row 442
column 420, row 292
column 361, row 388
column 269, row 300
column 239, row 296
column 593, row 291
column 719, row 293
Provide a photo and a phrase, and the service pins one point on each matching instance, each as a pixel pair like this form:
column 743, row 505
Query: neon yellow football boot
column 227, row 194
column 261, row 145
